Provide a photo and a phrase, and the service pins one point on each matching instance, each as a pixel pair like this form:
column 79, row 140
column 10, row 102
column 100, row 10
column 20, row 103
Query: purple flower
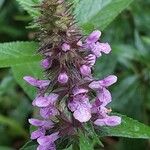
column 46, row 63
column 90, row 59
column 93, row 37
column 100, row 86
column 65, row 47
column 38, row 133
column 37, row 83
column 81, row 108
column 63, row 78
column 47, row 105
column 85, row 71
column 40, row 123
column 49, row 111
column 42, row 127
column 96, row 47
column 44, row 101
column 108, row 121
column 47, row 142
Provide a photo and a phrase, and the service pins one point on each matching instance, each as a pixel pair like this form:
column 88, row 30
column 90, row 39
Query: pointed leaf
column 14, row 53
column 129, row 128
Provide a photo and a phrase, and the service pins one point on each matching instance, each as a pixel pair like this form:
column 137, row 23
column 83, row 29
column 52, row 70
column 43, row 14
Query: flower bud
column 65, row 47
column 46, row 63
column 85, row 70
column 63, row 78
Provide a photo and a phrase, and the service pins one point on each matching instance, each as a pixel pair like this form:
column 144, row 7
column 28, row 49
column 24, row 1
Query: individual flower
column 42, row 127
column 96, row 47
column 37, row 83
column 81, row 107
column 47, row 142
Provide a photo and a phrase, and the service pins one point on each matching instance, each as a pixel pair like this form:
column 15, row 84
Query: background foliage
column 129, row 37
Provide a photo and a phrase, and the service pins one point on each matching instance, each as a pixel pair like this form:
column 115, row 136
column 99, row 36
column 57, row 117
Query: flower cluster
column 70, row 96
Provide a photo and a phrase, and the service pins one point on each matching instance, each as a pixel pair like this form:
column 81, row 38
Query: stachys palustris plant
column 70, row 96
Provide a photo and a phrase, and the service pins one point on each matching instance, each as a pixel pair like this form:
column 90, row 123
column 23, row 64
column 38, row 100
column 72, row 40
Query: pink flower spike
column 65, row 47
column 85, row 70
column 93, row 37
column 63, row 78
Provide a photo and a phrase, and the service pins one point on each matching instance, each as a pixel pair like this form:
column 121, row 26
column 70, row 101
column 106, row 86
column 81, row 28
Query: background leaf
column 129, row 128
column 28, row 69
column 28, row 5
column 100, row 13
column 14, row 53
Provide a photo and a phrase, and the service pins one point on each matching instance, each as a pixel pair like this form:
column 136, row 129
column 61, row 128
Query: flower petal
column 111, row 79
column 108, row 121
column 42, row 101
column 104, row 96
column 38, row 133
column 93, row 37
column 104, row 47
column 46, row 140
column 48, row 112
column 82, row 114
column 36, row 122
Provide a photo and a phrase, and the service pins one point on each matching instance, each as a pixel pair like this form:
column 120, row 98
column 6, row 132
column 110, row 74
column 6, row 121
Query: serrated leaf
column 29, row 146
column 129, row 128
column 98, row 14
column 34, row 69
column 14, row 53
column 28, row 5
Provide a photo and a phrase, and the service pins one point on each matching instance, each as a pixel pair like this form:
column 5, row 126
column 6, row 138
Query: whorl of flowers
column 66, row 100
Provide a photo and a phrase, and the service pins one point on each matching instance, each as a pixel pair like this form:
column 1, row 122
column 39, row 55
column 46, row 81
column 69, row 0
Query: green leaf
column 34, row 69
column 129, row 128
column 29, row 146
column 69, row 148
column 85, row 143
column 17, row 53
column 98, row 14
column 13, row 125
column 6, row 148
column 28, row 5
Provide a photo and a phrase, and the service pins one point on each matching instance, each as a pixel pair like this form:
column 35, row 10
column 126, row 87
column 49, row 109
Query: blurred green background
column 130, row 60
